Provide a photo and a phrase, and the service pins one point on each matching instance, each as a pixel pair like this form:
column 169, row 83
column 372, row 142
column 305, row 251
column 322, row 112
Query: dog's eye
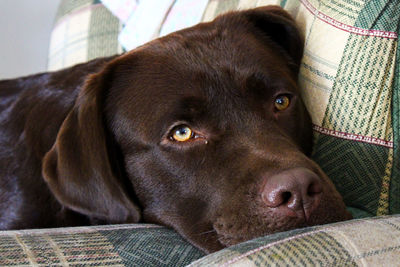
column 282, row 102
column 181, row 133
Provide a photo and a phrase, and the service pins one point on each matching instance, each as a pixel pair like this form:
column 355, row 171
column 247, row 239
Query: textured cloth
column 84, row 30
column 364, row 242
column 114, row 245
column 373, row 242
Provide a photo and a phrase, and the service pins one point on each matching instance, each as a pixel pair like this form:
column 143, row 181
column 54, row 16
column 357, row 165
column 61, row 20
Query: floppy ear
column 80, row 169
column 276, row 24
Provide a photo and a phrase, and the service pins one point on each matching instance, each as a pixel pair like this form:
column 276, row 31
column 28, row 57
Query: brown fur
column 91, row 144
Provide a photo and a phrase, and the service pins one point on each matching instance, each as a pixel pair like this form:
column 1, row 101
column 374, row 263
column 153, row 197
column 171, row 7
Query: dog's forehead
column 205, row 55
column 186, row 71
column 211, row 49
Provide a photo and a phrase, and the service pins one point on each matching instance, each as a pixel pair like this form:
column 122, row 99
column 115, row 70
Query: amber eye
column 282, row 102
column 181, row 133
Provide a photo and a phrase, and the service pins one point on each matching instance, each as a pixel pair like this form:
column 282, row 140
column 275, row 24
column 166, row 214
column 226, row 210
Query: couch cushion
column 113, row 245
column 372, row 241
column 363, row 242
column 83, row 30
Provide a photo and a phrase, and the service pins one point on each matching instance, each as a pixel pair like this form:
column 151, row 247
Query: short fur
column 91, row 144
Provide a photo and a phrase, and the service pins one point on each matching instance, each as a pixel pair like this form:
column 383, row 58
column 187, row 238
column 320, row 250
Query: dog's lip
column 213, row 242
column 230, row 238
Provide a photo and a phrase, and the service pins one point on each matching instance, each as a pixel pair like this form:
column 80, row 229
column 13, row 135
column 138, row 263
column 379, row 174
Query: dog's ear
column 80, row 168
column 277, row 25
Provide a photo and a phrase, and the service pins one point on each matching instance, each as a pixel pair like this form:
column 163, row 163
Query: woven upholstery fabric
column 348, row 83
column 84, row 30
column 364, row 242
column 114, row 245
column 374, row 241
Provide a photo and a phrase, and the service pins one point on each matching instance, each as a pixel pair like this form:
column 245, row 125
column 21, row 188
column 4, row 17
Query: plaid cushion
column 372, row 241
column 84, row 30
column 363, row 242
column 353, row 119
column 113, row 245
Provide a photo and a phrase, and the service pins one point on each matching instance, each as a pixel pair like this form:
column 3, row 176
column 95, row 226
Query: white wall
column 25, row 27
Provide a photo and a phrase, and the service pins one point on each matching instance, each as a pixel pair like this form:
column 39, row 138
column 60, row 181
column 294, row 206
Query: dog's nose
column 294, row 192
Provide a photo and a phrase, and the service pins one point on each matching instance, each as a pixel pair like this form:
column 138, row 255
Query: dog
column 203, row 131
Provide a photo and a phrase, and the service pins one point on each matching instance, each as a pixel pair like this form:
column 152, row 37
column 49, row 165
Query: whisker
column 207, row 232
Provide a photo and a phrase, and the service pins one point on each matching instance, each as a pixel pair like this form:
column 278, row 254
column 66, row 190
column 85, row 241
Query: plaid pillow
column 363, row 242
column 84, row 30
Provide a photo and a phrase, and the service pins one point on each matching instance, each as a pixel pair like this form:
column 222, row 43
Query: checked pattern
column 357, row 170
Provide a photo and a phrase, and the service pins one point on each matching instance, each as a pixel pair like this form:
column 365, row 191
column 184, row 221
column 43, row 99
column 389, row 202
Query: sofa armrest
column 373, row 241
column 365, row 242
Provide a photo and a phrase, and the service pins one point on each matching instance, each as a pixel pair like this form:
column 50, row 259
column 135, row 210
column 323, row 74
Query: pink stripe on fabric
column 345, row 27
column 353, row 137
column 78, row 229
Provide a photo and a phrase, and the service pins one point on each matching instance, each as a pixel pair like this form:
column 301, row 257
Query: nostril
column 286, row 196
column 275, row 198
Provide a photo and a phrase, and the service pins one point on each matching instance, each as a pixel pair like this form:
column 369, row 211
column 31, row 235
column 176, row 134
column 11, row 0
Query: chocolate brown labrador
column 202, row 130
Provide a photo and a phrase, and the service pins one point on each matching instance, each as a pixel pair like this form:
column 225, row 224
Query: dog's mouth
column 242, row 232
column 260, row 221
column 239, row 223
column 232, row 234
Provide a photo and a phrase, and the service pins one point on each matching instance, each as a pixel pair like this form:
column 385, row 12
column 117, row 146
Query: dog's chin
column 230, row 234
column 230, row 238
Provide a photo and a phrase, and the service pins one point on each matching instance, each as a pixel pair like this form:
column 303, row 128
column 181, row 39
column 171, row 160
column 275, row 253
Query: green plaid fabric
column 373, row 242
column 363, row 242
column 84, row 30
column 114, row 245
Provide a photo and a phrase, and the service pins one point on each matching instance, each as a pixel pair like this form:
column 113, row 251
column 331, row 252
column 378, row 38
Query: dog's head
column 203, row 131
